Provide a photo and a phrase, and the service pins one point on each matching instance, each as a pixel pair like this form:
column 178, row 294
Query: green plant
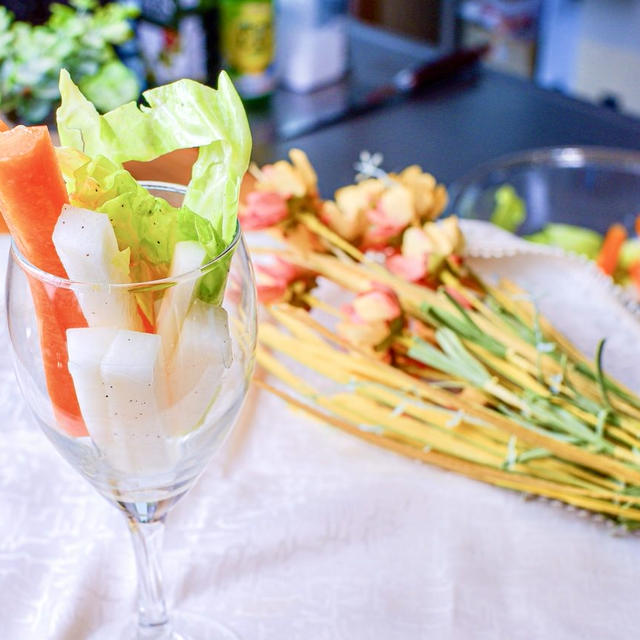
column 79, row 38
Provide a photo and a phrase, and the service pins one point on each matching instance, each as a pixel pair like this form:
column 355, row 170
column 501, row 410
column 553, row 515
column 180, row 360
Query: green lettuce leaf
column 149, row 227
column 629, row 253
column 142, row 222
column 570, row 238
column 179, row 115
column 510, row 211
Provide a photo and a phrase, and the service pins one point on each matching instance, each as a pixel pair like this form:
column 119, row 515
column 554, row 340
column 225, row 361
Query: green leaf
column 179, row 115
column 84, row 5
column 510, row 211
column 465, row 327
column 534, row 454
column 454, row 359
column 78, row 39
column 570, row 238
column 6, row 18
column 33, row 110
column 609, row 384
column 111, row 86
column 146, row 225
column 629, row 253
column 600, row 374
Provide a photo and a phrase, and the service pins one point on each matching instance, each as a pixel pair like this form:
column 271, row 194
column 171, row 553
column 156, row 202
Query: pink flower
column 280, row 270
column 379, row 304
column 390, row 217
column 366, row 335
column 370, row 319
column 262, row 209
column 383, row 228
column 269, row 293
column 274, row 280
column 409, row 268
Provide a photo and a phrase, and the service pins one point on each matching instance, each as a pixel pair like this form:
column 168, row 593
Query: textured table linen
column 299, row 532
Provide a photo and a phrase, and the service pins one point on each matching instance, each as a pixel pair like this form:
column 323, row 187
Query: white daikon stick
column 87, row 347
column 133, row 375
column 187, row 256
column 118, row 380
column 196, row 368
column 87, row 247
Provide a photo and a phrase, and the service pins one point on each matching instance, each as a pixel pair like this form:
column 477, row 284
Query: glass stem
column 147, row 546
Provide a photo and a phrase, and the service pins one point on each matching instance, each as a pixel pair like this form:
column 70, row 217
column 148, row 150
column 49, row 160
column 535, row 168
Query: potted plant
column 80, row 38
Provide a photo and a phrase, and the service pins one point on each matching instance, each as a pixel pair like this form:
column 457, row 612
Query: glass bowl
column 586, row 186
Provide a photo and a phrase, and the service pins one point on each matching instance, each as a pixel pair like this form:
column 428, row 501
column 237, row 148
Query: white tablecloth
column 299, row 532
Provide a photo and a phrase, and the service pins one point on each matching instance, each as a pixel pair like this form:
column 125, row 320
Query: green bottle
column 247, row 44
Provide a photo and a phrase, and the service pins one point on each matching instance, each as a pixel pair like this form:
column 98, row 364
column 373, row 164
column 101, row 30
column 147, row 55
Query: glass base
column 182, row 626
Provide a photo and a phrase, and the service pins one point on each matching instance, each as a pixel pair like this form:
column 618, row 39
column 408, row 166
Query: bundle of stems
column 478, row 382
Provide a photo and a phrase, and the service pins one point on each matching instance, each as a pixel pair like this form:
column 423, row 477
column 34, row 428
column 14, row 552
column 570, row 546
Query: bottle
column 179, row 39
column 247, row 42
column 312, row 43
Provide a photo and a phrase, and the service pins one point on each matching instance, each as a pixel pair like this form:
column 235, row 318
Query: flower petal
column 262, row 209
column 374, row 306
column 410, row 268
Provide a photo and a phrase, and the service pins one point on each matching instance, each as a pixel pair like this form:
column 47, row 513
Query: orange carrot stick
column 3, row 227
column 32, row 193
column 613, row 241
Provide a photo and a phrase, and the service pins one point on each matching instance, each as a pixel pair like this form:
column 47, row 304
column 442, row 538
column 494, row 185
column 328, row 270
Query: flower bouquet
column 425, row 358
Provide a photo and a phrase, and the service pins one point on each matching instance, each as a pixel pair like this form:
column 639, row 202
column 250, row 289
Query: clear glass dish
column 153, row 407
column 586, row 186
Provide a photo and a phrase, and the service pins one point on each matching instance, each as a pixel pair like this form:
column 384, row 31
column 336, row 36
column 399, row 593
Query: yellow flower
column 429, row 197
column 347, row 216
column 397, row 204
column 302, row 238
column 364, row 335
column 283, row 178
column 359, row 197
column 305, row 171
column 416, row 243
column 349, row 224
column 445, row 236
column 378, row 304
column 290, row 179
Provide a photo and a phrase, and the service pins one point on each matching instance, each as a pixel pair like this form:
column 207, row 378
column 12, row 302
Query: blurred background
column 304, row 63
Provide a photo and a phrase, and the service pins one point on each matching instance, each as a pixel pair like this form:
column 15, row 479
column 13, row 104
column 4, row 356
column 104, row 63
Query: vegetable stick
column 87, row 246
column 87, row 347
column 195, row 370
column 613, row 241
column 32, row 193
column 131, row 370
column 187, row 256
column 118, row 380
column 3, row 224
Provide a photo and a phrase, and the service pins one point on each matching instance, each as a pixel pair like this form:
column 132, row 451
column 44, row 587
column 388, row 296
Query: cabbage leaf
column 578, row 240
column 179, row 115
column 510, row 210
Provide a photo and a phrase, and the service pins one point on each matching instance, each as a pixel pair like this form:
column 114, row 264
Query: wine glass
column 153, row 408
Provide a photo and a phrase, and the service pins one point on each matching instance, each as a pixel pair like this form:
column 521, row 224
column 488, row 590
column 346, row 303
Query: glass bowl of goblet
column 138, row 411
